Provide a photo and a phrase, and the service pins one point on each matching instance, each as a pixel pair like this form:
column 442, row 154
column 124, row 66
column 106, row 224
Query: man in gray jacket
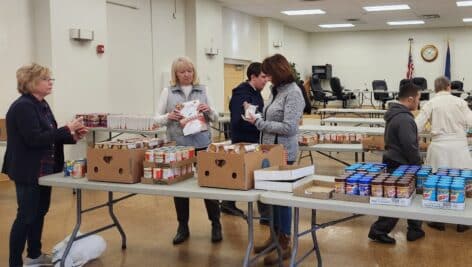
column 401, row 148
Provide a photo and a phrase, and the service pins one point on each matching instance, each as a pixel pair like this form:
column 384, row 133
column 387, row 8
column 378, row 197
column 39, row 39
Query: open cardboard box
column 351, row 198
column 305, row 190
column 235, row 170
column 115, row 165
column 375, row 142
column 287, row 172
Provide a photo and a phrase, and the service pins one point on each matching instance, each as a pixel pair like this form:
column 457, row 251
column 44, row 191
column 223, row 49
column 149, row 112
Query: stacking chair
column 378, row 86
column 318, row 94
column 457, row 86
column 338, row 91
column 423, row 84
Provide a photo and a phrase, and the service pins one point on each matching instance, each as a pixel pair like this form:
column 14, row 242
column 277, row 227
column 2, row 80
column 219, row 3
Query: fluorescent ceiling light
column 467, row 19
column 303, row 12
column 341, row 25
column 464, row 3
column 386, row 8
column 405, row 22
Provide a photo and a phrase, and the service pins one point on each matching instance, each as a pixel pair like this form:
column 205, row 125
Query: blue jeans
column 283, row 216
column 33, row 204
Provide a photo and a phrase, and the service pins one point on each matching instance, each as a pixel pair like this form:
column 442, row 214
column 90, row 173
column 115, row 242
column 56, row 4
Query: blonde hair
column 29, row 75
column 179, row 64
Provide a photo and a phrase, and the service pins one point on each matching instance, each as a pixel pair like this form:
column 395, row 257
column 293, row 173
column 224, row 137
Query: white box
column 403, row 202
column 283, row 186
column 443, row 205
column 283, row 173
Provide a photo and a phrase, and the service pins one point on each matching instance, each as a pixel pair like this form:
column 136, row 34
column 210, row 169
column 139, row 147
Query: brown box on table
column 3, row 130
column 115, row 165
column 235, row 170
column 351, row 198
column 375, row 142
column 326, row 190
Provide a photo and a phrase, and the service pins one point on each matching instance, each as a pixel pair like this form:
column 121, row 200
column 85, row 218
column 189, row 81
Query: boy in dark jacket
column 401, row 148
column 241, row 130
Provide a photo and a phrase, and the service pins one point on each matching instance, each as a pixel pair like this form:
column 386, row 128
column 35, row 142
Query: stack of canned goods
column 419, row 173
column 168, row 155
column 444, row 189
column 310, row 138
column 75, row 168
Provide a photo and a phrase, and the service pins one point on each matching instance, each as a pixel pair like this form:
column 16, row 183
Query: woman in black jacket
column 34, row 149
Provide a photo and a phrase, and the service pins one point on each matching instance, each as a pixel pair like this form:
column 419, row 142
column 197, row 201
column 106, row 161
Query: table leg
column 356, row 157
column 363, row 156
column 115, row 220
column 250, row 230
column 315, row 240
column 296, row 219
column 76, row 227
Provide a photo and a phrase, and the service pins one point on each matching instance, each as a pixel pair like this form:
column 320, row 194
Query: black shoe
column 415, row 234
column 264, row 222
column 462, row 228
column 181, row 235
column 228, row 207
column 216, row 235
column 382, row 238
column 437, row 226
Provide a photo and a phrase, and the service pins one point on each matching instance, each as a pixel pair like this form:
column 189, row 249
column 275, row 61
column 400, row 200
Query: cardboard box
column 443, row 205
column 235, row 170
column 351, row 198
column 177, row 164
column 303, row 190
column 115, row 165
column 3, row 130
column 281, row 186
column 289, row 172
column 402, row 202
column 373, row 142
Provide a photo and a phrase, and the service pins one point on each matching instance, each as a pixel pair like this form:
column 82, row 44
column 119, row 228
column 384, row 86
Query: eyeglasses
column 47, row 79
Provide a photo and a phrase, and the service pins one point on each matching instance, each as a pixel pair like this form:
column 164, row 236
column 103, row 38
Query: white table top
column 187, row 188
column 343, row 129
column 224, row 119
column 333, row 148
column 102, row 129
column 352, row 110
column 415, row 211
column 354, row 120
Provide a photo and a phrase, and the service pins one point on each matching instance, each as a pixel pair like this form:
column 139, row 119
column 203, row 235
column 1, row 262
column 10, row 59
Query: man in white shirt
column 450, row 118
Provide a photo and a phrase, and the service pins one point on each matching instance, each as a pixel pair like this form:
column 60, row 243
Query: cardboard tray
column 301, row 190
column 284, row 173
column 147, row 164
column 351, row 198
column 168, row 182
column 443, row 205
column 402, row 202
column 373, row 143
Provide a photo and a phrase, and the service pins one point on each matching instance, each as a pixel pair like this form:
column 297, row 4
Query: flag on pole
column 447, row 69
column 411, row 67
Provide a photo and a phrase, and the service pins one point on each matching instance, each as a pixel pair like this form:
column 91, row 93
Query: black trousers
column 385, row 225
column 182, row 208
column 33, row 204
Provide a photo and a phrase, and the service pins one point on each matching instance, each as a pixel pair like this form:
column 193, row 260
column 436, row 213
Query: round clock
column 429, row 53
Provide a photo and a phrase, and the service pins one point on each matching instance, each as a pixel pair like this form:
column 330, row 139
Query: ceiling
column 338, row 11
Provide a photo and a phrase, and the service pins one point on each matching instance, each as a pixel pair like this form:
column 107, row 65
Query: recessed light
column 303, row 12
column 467, row 19
column 405, row 22
column 339, row 25
column 386, row 8
column 464, row 3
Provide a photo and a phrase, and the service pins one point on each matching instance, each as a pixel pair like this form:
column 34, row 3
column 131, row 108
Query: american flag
column 411, row 66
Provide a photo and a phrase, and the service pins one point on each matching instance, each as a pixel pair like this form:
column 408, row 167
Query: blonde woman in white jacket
column 450, row 118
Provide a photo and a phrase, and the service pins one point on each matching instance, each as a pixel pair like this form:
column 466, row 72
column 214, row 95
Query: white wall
column 130, row 59
column 241, row 35
column 169, row 40
column 81, row 75
column 295, row 48
column 16, row 46
column 360, row 57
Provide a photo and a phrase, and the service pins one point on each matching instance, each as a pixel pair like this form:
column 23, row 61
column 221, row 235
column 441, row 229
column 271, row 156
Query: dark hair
column 255, row 68
column 408, row 89
column 278, row 67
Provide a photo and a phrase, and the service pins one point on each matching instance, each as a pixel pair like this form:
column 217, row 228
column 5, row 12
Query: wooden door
column 234, row 75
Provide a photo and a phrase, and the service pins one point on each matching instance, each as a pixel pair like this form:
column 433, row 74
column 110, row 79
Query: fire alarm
column 100, row 49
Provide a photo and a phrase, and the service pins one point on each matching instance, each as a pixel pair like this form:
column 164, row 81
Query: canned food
column 157, row 173
column 148, row 173
column 149, row 156
column 79, row 170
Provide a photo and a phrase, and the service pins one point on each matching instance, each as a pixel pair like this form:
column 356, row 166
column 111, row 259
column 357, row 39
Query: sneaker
column 381, row 238
column 42, row 260
column 415, row 234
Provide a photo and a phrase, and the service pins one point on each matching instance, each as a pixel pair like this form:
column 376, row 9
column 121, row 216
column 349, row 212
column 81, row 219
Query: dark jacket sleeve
column 237, row 111
column 30, row 130
column 408, row 137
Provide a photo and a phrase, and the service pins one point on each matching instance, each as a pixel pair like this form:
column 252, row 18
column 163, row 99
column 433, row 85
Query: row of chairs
column 339, row 93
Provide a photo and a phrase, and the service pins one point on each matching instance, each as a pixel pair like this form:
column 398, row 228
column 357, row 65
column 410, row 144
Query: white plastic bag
column 81, row 252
